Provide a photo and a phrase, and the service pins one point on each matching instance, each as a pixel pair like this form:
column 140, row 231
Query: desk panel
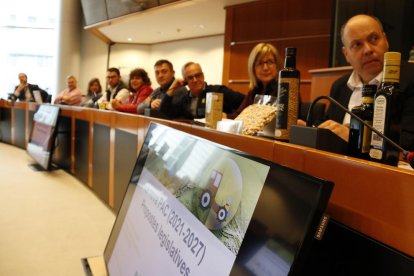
column 82, row 150
column 19, row 127
column 5, row 125
column 125, row 156
column 62, row 155
column 100, row 161
column 373, row 199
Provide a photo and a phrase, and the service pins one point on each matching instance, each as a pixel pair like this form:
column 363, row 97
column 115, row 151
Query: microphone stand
column 407, row 156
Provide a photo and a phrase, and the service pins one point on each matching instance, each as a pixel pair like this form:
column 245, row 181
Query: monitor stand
column 94, row 266
column 38, row 168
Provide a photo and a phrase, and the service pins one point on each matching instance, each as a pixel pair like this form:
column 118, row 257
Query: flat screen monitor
column 194, row 207
column 43, row 133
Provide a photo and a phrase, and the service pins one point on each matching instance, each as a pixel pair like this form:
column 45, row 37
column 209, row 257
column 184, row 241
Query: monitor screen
column 194, row 207
column 42, row 137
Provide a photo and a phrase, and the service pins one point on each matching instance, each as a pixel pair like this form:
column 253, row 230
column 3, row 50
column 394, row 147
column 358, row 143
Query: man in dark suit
column 364, row 45
column 24, row 91
column 183, row 104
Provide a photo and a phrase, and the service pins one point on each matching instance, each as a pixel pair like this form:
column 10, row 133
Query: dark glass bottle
column 287, row 103
column 359, row 135
column 386, row 112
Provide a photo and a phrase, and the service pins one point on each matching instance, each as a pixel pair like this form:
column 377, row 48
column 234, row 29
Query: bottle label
column 391, row 72
column 380, row 108
column 375, row 154
column 282, row 105
column 286, row 106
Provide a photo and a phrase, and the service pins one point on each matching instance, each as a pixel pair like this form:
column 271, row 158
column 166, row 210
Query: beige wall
column 94, row 56
column 68, row 49
column 207, row 51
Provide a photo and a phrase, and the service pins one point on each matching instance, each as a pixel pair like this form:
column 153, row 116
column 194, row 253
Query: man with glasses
column 116, row 89
column 192, row 104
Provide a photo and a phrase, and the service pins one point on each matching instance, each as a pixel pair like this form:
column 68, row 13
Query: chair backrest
column 48, row 98
column 318, row 112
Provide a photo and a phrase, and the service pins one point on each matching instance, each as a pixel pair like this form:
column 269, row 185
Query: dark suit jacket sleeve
column 22, row 96
column 231, row 98
column 175, row 106
column 340, row 92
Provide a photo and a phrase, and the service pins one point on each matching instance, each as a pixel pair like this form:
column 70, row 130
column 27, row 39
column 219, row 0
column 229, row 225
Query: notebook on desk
column 201, row 208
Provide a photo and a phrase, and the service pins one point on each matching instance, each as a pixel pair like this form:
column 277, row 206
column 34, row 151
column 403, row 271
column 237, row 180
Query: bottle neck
column 290, row 62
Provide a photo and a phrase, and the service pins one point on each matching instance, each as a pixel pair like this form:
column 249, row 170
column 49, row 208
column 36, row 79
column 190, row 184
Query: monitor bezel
column 52, row 138
column 325, row 190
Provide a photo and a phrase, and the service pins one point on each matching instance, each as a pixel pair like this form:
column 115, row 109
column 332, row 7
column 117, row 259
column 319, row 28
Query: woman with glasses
column 140, row 89
column 264, row 65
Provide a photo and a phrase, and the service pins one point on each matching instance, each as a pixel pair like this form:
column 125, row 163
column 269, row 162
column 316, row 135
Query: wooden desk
column 371, row 198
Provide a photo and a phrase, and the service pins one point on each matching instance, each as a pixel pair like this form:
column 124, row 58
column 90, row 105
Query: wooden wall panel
column 283, row 23
column 270, row 19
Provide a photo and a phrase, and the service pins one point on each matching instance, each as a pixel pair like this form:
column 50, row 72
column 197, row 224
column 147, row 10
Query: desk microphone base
column 318, row 138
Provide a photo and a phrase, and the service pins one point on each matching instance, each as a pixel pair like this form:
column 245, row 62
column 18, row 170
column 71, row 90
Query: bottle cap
column 290, row 51
column 391, row 71
column 368, row 90
column 394, row 57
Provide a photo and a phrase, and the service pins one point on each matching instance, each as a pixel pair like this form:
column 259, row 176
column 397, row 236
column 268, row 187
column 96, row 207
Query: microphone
column 12, row 98
column 407, row 156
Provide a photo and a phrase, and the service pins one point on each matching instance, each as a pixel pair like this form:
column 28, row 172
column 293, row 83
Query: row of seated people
column 177, row 98
column 364, row 44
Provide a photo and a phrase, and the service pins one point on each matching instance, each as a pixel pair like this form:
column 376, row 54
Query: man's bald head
column 364, row 45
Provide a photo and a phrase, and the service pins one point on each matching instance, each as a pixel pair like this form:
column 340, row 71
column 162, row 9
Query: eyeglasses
column 269, row 63
column 196, row 76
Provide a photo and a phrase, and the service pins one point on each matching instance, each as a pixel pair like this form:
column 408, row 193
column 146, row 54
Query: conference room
column 96, row 152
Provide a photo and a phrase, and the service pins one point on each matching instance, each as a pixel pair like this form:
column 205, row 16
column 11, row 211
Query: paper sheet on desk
column 230, row 126
column 226, row 125
column 201, row 120
column 404, row 165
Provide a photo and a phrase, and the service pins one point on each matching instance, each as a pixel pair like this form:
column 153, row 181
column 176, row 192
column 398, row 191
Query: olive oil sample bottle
column 359, row 135
column 386, row 112
column 287, row 103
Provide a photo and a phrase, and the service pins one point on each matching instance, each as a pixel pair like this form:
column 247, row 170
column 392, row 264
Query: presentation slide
column 186, row 218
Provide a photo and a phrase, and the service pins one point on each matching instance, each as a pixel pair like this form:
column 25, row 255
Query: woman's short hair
column 140, row 73
column 91, row 82
column 256, row 54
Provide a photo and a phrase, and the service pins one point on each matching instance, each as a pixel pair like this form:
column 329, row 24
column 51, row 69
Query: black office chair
column 48, row 98
column 318, row 113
